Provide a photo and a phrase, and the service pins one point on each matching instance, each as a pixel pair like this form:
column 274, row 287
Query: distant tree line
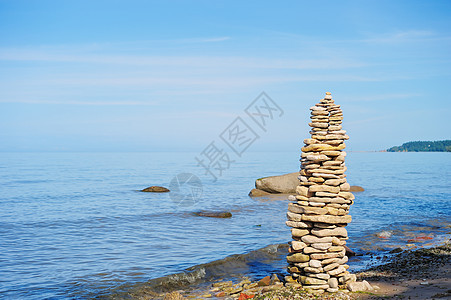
column 423, row 146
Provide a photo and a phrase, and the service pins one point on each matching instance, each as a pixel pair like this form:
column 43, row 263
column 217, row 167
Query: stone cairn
column 318, row 213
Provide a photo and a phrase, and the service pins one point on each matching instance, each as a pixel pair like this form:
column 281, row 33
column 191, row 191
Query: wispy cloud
column 405, row 36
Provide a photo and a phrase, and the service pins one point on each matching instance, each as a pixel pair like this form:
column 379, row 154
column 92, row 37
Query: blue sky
column 172, row 75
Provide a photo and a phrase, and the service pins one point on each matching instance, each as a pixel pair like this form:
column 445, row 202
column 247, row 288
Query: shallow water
column 73, row 225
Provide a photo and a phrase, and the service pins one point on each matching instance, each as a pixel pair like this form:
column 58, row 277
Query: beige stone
column 297, row 216
column 317, row 179
column 336, row 271
column 303, row 191
column 324, row 188
column 339, row 231
column 298, row 257
column 318, row 125
column 325, row 194
column 333, row 282
column 335, row 249
column 295, row 224
column 321, row 246
column 321, row 256
column 310, row 250
column 326, row 176
column 313, row 270
column 317, row 147
column 296, row 232
column 298, row 245
column 331, row 267
column 345, row 187
column 327, row 219
column 311, row 239
column 317, row 157
column 346, row 195
column 311, row 280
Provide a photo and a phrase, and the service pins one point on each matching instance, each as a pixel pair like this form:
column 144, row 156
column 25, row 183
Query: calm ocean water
column 73, row 225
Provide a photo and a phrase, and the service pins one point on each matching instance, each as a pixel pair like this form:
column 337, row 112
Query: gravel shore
column 410, row 274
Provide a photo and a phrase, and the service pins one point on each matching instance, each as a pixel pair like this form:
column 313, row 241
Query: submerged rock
column 258, row 193
column 214, row 214
column 156, row 189
column 356, row 188
column 284, row 184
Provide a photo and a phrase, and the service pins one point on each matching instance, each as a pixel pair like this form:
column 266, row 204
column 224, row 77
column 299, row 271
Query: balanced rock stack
column 318, row 213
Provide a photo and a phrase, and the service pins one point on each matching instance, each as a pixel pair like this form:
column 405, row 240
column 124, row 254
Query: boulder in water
column 155, row 189
column 356, row 188
column 258, row 193
column 214, row 214
column 282, row 184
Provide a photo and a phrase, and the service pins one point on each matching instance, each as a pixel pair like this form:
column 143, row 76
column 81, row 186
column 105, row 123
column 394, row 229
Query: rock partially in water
column 284, row 184
column 155, row 189
column 173, row 296
column 258, row 193
column 214, row 214
column 356, row 188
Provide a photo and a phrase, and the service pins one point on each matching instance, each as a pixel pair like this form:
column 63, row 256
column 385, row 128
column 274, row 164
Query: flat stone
column 336, row 249
column 346, row 195
column 321, row 246
column 318, row 108
column 327, row 219
column 298, row 245
column 311, row 280
column 317, row 147
column 295, row 224
column 314, row 210
column 359, row 286
column 331, row 267
column 324, row 188
column 214, row 214
column 327, row 176
column 310, row 250
column 315, row 263
column 339, row 231
column 321, row 256
column 313, row 270
column 296, row 232
column 317, row 157
column 294, row 208
column 323, row 276
column 294, row 216
column 298, row 257
column 329, row 261
column 332, row 290
column 317, row 204
column 318, row 125
column 331, row 153
column 336, row 271
column 326, row 194
column 311, row 239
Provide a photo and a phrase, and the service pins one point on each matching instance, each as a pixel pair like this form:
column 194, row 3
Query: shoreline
column 420, row 273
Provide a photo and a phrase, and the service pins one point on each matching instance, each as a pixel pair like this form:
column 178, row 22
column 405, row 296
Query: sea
column 77, row 226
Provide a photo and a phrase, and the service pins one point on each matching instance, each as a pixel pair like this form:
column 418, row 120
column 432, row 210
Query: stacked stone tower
column 318, row 213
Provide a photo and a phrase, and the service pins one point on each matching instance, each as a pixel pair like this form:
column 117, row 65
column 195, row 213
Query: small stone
column 357, row 286
column 332, row 290
column 327, row 219
column 298, row 257
column 345, row 187
column 310, row 280
column 321, row 246
column 333, row 282
column 299, row 232
column 336, row 271
column 315, row 263
column 313, row 270
column 265, row 281
column 331, row 267
column 298, row 245
column 324, row 188
column 311, row 239
column 338, row 231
